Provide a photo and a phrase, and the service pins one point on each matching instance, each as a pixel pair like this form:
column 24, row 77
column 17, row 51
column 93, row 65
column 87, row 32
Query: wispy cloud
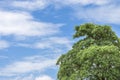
column 103, row 11
column 73, row 3
column 42, row 4
column 52, row 44
column 31, row 77
column 106, row 10
column 28, row 77
column 27, row 65
column 23, row 24
column 44, row 77
column 103, row 14
column 4, row 44
column 31, row 5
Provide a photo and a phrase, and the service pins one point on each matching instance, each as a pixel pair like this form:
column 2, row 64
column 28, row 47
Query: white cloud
column 103, row 14
column 4, row 44
column 32, row 77
column 105, row 11
column 31, row 5
column 29, row 77
column 44, row 77
column 82, row 2
column 42, row 4
column 28, row 65
column 23, row 24
column 54, row 44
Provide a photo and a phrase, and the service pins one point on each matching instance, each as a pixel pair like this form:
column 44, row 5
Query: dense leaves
column 96, row 57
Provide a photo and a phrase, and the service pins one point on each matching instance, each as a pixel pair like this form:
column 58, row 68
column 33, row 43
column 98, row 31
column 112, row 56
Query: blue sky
column 34, row 33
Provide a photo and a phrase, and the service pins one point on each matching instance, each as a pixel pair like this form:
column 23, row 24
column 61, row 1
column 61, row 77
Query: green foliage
column 96, row 57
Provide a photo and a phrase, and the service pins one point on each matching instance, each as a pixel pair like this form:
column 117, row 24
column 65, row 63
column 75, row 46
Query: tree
column 95, row 57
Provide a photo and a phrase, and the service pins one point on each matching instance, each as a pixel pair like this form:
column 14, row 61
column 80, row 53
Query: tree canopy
column 95, row 57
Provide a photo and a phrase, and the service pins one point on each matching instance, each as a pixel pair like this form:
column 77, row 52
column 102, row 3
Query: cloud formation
column 42, row 4
column 23, row 24
column 49, row 43
column 106, row 10
column 81, row 3
column 27, row 65
column 4, row 44
column 44, row 77
column 31, row 5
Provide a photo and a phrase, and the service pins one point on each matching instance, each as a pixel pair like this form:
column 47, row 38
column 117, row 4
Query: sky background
column 34, row 33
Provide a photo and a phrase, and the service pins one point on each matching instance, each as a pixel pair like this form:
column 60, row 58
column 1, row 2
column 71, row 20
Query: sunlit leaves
column 96, row 57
